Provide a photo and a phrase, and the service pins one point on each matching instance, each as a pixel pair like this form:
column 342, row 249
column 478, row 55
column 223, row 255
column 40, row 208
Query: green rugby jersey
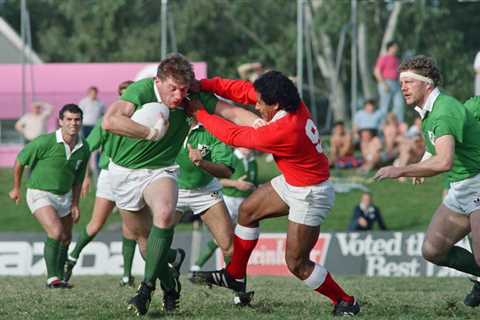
column 449, row 117
column 473, row 105
column 52, row 169
column 191, row 176
column 243, row 167
column 100, row 139
column 140, row 153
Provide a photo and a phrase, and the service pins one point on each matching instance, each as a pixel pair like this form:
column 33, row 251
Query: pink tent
column 62, row 83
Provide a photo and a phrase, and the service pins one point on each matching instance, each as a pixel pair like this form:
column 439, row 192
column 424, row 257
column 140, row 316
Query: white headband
column 410, row 74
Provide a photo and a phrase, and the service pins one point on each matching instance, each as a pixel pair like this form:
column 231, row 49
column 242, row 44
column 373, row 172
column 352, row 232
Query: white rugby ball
column 149, row 114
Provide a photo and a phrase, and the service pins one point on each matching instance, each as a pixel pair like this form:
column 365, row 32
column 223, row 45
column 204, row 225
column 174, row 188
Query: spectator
column 365, row 214
column 476, row 66
column 411, row 147
column 371, row 148
column 250, row 71
column 33, row 124
column 386, row 74
column 92, row 109
column 341, row 147
column 393, row 132
column 367, row 118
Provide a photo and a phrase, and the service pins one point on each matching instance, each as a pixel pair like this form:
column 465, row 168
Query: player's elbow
column 445, row 164
column 108, row 123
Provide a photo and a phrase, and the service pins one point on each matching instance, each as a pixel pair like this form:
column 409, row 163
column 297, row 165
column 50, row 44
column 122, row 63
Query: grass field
column 275, row 298
column 404, row 206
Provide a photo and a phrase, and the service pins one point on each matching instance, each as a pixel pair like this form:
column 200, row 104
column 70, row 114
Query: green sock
column 50, row 254
column 62, row 257
column 81, row 243
column 172, row 255
column 158, row 245
column 206, row 253
column 462, row 260
column 128, row 251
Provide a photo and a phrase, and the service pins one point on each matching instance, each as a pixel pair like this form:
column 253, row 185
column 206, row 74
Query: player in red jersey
column 303, row 191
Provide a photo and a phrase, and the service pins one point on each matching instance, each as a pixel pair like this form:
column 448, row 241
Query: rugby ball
column 149, row 114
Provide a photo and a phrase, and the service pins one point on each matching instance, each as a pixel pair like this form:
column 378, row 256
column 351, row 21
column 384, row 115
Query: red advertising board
column 268, row 258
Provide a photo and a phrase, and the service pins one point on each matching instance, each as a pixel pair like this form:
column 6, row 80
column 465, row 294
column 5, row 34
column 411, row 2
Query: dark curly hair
column 424, row 66
column 72, row 108
column 275, row 87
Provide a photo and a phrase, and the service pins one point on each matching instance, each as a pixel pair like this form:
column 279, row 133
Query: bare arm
column 235, row 114
column 218, row 170
column 117, row 120
column 441, row 162
column 19, row 125
column 378, row 74
column 17, row 182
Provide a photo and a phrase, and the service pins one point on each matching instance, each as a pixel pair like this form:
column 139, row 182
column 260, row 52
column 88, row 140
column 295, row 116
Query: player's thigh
column 219, row 223
column 50, row 222
column 475, row 234
column 263, row 203
column 301, row 239
column 161, row 196
column 446, row 228
column 101, row 210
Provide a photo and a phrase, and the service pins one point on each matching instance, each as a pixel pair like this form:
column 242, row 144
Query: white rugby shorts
column 464, row 196
column 37, row 199
column 104, row 186
column 200, row 199
column 233, row 204
column 128, row 184
column 308, row 205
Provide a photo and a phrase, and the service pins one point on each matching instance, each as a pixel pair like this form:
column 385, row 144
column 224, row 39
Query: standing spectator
column 365, row 214
column 386, row 74
column 34, row 123
column 476, row 66
column 92, row 109
column 367, row 118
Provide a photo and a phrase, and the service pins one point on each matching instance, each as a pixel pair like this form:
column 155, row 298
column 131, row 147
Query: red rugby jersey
column 293, row 139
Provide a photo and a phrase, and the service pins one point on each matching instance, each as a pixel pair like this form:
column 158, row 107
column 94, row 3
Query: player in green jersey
column 57, row 161
column 143, row 171
column 235, row 189
column 202, row 159
column 451, row 135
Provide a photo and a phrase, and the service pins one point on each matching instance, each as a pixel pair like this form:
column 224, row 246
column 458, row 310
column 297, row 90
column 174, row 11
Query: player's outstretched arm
column 117, row 120
column 442, row 161
column 14, row 194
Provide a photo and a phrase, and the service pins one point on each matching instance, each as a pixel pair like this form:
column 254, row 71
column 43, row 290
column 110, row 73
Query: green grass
column 404, row 206
column 275, row 298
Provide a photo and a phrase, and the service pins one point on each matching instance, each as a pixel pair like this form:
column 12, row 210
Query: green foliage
column 227, row 33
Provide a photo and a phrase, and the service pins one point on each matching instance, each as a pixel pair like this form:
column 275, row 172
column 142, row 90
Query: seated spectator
column 341, row 144
column 393, row 132
column 411, row 147
column 367, row 118
column 365, row 214
column 371, row 148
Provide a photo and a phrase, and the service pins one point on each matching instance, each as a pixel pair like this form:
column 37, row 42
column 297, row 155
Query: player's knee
column 55, row 232
column 430, row 253
column 295, row 264
column 164, row 216
column 246, row 213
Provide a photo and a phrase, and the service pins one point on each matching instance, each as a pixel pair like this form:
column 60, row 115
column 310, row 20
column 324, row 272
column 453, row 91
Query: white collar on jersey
column 280, row 114
column 78, row 145
column 428, row 106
